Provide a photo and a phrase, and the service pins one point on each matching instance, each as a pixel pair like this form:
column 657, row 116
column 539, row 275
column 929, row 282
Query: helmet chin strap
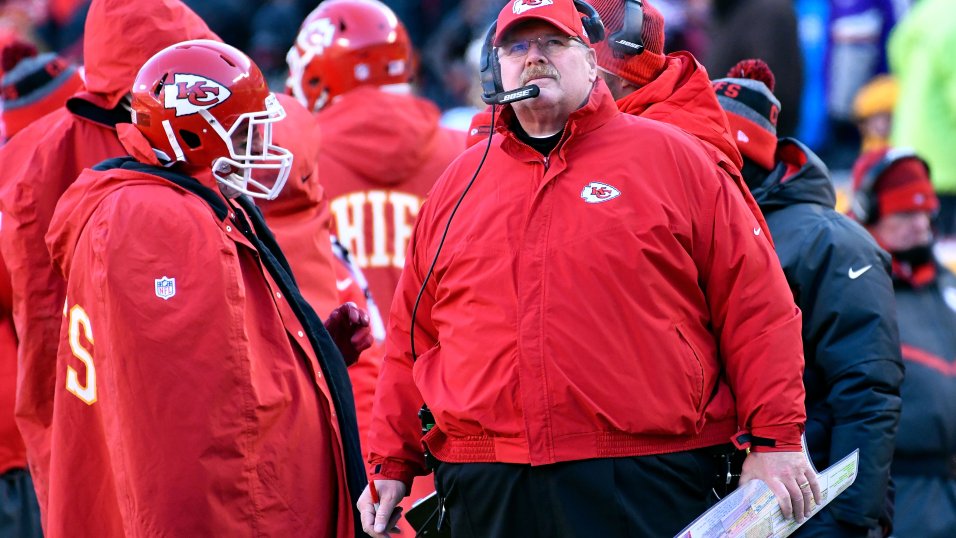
column 221, row 170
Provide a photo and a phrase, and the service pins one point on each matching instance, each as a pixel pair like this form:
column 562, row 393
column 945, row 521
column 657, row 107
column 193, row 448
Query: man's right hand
column 378, row 520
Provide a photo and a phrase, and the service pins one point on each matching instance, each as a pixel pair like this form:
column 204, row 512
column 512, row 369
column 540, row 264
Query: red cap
column 902, row 186
column 559, row 13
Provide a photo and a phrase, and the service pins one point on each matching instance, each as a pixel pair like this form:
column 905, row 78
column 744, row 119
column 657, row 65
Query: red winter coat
column 12, row 452
column 299, row 216
column 41, row 162
column 379, row 154
column 186, row 403
column 682, row 95
column 653, row 319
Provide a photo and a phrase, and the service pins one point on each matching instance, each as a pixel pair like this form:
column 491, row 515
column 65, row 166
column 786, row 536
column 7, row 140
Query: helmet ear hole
column 158, row 88
column 190, row 138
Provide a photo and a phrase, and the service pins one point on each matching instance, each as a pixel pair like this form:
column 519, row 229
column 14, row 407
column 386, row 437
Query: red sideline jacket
column 299, row 216
column 12, row 452
column 364, row 374
column 184, row 405
column 589, row 305
column 379, row 154
column 41, row 162
column 682, row 95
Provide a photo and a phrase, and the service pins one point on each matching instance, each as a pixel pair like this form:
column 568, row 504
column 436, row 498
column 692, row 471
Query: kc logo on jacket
column 189, row 94
column 596, row 192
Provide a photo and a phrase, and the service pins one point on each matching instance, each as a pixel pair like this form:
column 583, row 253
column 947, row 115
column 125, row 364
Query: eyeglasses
column 548, row 45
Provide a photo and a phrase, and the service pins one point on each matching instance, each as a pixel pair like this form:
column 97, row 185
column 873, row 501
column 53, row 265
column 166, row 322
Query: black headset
column 492, row 90
column 629, row 40
column 865, row 206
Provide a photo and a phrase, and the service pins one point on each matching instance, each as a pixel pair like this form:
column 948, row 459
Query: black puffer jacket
column 924, row 466
column 841, row 280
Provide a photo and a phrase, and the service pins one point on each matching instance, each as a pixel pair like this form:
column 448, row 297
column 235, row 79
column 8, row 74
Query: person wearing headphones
column 841, row 280
column 673, row 88
column 895, row 201
column 563, row 329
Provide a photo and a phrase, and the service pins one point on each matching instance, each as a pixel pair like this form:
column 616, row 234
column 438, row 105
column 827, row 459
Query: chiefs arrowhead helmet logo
column 316, row 36
column 189, row 94
column 596, row 192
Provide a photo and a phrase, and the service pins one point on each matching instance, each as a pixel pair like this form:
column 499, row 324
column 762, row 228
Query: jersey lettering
column 85, row 391
column 375, row 225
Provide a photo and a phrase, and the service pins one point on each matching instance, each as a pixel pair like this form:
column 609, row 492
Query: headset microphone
column 503, row 98
column 494, row 94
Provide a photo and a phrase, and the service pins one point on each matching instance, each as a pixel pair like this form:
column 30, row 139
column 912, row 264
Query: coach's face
column 536, row 52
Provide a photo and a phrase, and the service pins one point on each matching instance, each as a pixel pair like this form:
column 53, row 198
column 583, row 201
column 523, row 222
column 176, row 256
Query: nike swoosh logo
column 857, row 273
column 757, row 230
column 342, row 285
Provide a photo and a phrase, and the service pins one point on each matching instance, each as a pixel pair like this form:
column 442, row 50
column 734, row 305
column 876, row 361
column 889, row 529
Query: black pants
column 643, row 497
column 19, row 512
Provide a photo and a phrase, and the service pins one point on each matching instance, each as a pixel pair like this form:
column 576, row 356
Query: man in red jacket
column 380, row 148
column 197, row 392
column 603, row 316
column 19, row 512
column 41, row 162
column 46, row 157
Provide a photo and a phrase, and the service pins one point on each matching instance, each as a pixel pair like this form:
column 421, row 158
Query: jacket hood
column 76, row 206
column 143, row 29
column 399, row 130
column 799, row 177
column 298, row 133
column 682, row 95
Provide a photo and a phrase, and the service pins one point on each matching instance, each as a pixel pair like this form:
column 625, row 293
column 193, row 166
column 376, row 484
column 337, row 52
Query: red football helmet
column 207, row 105
column 343, row 44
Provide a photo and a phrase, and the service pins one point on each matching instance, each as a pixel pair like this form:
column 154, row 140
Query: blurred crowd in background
column 829, row 56
column 829, row 48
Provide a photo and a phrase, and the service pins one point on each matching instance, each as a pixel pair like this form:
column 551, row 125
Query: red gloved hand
column 348, row 325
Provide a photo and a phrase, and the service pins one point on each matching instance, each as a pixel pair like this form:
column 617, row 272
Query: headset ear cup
column 591, row 20
column 629, row 40
column 489, row 69
column 860, row 207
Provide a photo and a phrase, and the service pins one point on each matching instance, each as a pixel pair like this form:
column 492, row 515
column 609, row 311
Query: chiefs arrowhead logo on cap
column 520, row 6
column 189, row 94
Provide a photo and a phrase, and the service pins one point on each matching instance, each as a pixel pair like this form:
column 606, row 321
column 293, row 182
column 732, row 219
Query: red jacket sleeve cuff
column 394, row 470
column 784, row 438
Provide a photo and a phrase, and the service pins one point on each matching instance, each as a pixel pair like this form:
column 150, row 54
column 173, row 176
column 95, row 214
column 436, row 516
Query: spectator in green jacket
column 920, row 50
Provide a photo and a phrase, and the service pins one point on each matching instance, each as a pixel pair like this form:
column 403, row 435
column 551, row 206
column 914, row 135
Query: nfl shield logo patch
column 165, row 288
